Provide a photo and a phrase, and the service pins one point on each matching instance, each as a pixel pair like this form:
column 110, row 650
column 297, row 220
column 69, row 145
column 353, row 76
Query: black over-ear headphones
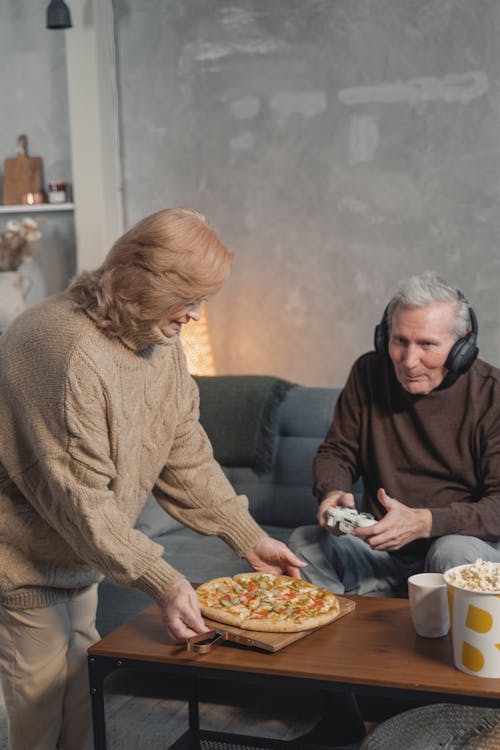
column 462, row 354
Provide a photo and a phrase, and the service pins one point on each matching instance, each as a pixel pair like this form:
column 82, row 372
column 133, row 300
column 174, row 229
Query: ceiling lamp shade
column 58, row 15
column 195, row 339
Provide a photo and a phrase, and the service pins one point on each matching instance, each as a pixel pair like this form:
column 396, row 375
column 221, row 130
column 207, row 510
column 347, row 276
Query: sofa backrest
column 305, row 418
column 283, row 497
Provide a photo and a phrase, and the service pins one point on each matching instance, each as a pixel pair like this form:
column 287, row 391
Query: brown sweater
column 89, row 425
column 439, row 451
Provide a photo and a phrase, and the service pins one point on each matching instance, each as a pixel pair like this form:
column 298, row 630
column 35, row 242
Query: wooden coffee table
column 373, row 650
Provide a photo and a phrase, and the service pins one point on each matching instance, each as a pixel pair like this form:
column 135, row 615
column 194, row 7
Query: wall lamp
column 58, row 15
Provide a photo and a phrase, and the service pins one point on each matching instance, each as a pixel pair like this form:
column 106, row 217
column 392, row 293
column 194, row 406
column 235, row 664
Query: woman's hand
column 181, row 611
column 271, row 556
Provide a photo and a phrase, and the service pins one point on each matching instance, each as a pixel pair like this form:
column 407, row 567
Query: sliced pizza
column 267, row 602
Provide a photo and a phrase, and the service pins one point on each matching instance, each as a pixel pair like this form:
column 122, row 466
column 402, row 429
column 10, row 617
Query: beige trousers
column 43, row 669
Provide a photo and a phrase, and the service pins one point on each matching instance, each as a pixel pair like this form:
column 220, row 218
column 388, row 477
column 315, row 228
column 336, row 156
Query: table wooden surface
column 374, row 646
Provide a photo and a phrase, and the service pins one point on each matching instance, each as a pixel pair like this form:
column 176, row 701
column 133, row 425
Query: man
column 419, row 421
column 97, row 410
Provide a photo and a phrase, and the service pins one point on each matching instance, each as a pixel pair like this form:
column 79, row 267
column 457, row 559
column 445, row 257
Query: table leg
column 191, row 739
column 194, row 709
column 99, row 668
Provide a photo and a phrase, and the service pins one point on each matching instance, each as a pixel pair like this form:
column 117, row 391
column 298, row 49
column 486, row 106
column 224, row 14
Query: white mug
column 429, row 604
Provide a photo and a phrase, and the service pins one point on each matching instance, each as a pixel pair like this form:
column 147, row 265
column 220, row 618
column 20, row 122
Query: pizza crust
column 266, row 589
column 287, row 627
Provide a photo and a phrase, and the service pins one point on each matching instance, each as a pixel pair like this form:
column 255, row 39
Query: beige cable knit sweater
column 88, row 426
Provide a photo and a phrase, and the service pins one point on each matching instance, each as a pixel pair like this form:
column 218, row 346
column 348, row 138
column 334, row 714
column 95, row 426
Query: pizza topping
column 283, row 603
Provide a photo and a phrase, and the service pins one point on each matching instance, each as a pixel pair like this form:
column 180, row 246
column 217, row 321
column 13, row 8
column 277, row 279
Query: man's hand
column 181, row 612
column 271, row 556
column 340, row 499
column 399, row 526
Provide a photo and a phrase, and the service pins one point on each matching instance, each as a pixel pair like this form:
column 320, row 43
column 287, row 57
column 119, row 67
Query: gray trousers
column 348, row 565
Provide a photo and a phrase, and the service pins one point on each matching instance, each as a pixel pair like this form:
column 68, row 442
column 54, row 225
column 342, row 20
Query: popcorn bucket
column 475, row 627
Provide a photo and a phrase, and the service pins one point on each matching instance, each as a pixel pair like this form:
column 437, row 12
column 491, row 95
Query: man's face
column 419, row 344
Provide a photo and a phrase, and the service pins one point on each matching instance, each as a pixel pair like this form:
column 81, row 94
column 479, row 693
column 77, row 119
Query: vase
column 12, row 297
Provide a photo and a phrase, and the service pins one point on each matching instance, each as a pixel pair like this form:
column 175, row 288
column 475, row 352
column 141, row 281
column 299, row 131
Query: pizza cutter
column 206, row 642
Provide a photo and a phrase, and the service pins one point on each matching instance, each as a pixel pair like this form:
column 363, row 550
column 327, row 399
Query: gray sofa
column 278, row 487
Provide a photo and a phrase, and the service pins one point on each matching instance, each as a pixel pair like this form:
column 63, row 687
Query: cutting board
column 274, row 641
column 21, row 174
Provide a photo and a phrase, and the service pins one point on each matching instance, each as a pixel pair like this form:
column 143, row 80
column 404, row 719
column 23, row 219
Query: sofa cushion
column 305, row 417
column 153, row 520
column 258, row 488
column 308, row 412
column 283, row 496
column 240, row 415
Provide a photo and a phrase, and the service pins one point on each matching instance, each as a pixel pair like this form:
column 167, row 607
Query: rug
column 148, row 723
column 442, row 726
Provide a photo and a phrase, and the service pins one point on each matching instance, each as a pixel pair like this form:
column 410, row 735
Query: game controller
column 348, row 519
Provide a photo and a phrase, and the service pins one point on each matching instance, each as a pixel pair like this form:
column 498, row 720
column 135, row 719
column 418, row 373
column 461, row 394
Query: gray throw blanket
column 240, row 416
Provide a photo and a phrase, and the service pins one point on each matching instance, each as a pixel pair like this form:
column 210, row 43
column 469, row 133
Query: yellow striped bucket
column 475, row 628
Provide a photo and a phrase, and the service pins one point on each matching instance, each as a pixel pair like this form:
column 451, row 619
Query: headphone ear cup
column 461, row 356
column 381, row 337
column 464, row 351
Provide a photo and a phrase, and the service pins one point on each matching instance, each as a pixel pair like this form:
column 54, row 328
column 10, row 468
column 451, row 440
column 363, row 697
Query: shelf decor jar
column 58, row 191
column 17, row 242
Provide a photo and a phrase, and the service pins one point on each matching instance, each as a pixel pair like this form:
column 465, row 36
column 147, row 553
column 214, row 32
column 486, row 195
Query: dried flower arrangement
column 16, row 243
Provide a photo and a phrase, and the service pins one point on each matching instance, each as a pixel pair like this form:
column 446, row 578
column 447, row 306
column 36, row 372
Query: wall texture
column 337, row 145
column 34, row 101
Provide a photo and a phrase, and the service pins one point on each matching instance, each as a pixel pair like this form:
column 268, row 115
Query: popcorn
column 479, row 576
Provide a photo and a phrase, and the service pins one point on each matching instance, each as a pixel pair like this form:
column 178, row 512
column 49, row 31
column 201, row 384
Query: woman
column 98, row 409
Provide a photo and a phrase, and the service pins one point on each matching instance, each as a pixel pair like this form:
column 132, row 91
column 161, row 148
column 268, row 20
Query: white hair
column 426, row 288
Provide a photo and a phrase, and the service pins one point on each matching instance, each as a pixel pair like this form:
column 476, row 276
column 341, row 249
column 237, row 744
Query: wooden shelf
column 38, row 208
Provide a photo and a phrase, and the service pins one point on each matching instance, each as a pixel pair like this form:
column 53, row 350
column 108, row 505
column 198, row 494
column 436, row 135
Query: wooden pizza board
column 273, row 641
column 21, row 174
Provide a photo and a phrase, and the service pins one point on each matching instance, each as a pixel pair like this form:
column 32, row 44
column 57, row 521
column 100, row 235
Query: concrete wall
column 337, row 146
column 34, row 101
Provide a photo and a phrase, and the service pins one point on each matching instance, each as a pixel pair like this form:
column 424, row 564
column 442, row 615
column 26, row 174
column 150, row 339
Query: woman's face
column 172, row 325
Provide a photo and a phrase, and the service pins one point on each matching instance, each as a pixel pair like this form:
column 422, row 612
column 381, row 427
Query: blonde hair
column 164, row 261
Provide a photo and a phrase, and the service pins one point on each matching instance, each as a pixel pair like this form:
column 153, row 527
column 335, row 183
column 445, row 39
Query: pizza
column 267, row 602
